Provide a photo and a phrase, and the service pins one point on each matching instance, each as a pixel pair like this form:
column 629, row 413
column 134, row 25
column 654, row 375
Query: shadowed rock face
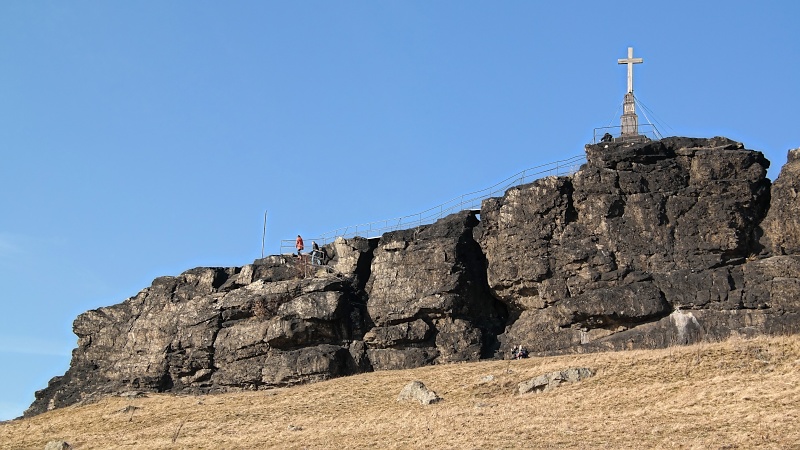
column 648, row 245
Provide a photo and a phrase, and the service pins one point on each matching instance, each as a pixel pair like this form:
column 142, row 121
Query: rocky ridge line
column 647, row 245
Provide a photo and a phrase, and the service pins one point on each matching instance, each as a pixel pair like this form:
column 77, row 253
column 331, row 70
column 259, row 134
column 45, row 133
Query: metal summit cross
column 630, row 61
column 629, row 121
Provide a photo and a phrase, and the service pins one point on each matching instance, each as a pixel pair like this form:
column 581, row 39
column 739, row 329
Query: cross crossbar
column 630, row 61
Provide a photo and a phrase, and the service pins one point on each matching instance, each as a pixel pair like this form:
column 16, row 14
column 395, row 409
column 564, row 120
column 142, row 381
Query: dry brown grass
column 736, row 394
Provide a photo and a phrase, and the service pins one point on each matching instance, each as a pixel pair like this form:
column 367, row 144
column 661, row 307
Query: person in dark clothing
column 316, row 255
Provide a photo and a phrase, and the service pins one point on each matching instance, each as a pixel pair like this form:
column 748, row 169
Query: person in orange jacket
column 298, row 243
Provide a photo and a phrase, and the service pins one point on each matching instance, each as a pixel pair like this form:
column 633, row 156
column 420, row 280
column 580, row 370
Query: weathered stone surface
column 305, row 365
column 401, row 358
column 352, row 257
column 417, row 392
column 358, row 357
column 552, row 380
column 457, row 340
column 57, row 445
column 307, row 319
column 427, row 288
column 512, row 234
column 200, row 332
column 648, row 245
column 401, row 333
column 271, row 268
column 782, row 224
column 639, row 231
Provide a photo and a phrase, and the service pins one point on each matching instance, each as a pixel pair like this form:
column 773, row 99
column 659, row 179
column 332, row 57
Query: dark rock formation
column 782, row 225
column 428, row 297
column 648, row 245
column 607, row 257
column 211, row 329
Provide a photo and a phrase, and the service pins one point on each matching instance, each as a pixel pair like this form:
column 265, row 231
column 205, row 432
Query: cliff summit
column 648, row 245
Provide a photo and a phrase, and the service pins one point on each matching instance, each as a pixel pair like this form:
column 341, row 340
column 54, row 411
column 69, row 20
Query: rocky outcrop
column 782, row 224
column 282, row 321
column 605, row 259
column 428, row 297
column 647, row 245
column 552, row 380
column 212, row 329
column 57, row 445
column 416, row 391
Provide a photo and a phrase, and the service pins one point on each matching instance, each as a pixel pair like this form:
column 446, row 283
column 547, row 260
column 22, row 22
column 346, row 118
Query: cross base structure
column 629, row 120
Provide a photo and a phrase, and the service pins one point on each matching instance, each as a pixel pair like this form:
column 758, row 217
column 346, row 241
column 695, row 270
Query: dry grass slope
column 735, row 394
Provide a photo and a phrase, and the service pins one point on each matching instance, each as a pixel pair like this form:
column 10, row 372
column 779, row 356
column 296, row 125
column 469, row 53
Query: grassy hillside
column 735, row 394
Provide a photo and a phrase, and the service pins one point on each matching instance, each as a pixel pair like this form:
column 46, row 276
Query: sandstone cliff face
column 648, row 245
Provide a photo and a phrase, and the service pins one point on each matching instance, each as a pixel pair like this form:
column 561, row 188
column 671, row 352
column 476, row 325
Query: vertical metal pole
column 264, row 235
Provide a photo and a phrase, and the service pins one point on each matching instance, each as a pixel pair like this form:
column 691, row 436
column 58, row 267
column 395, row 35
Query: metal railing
column 471, row 201
column 647, row 132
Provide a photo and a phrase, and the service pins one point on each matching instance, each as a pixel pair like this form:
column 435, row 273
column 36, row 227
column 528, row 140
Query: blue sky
column 142, row 139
